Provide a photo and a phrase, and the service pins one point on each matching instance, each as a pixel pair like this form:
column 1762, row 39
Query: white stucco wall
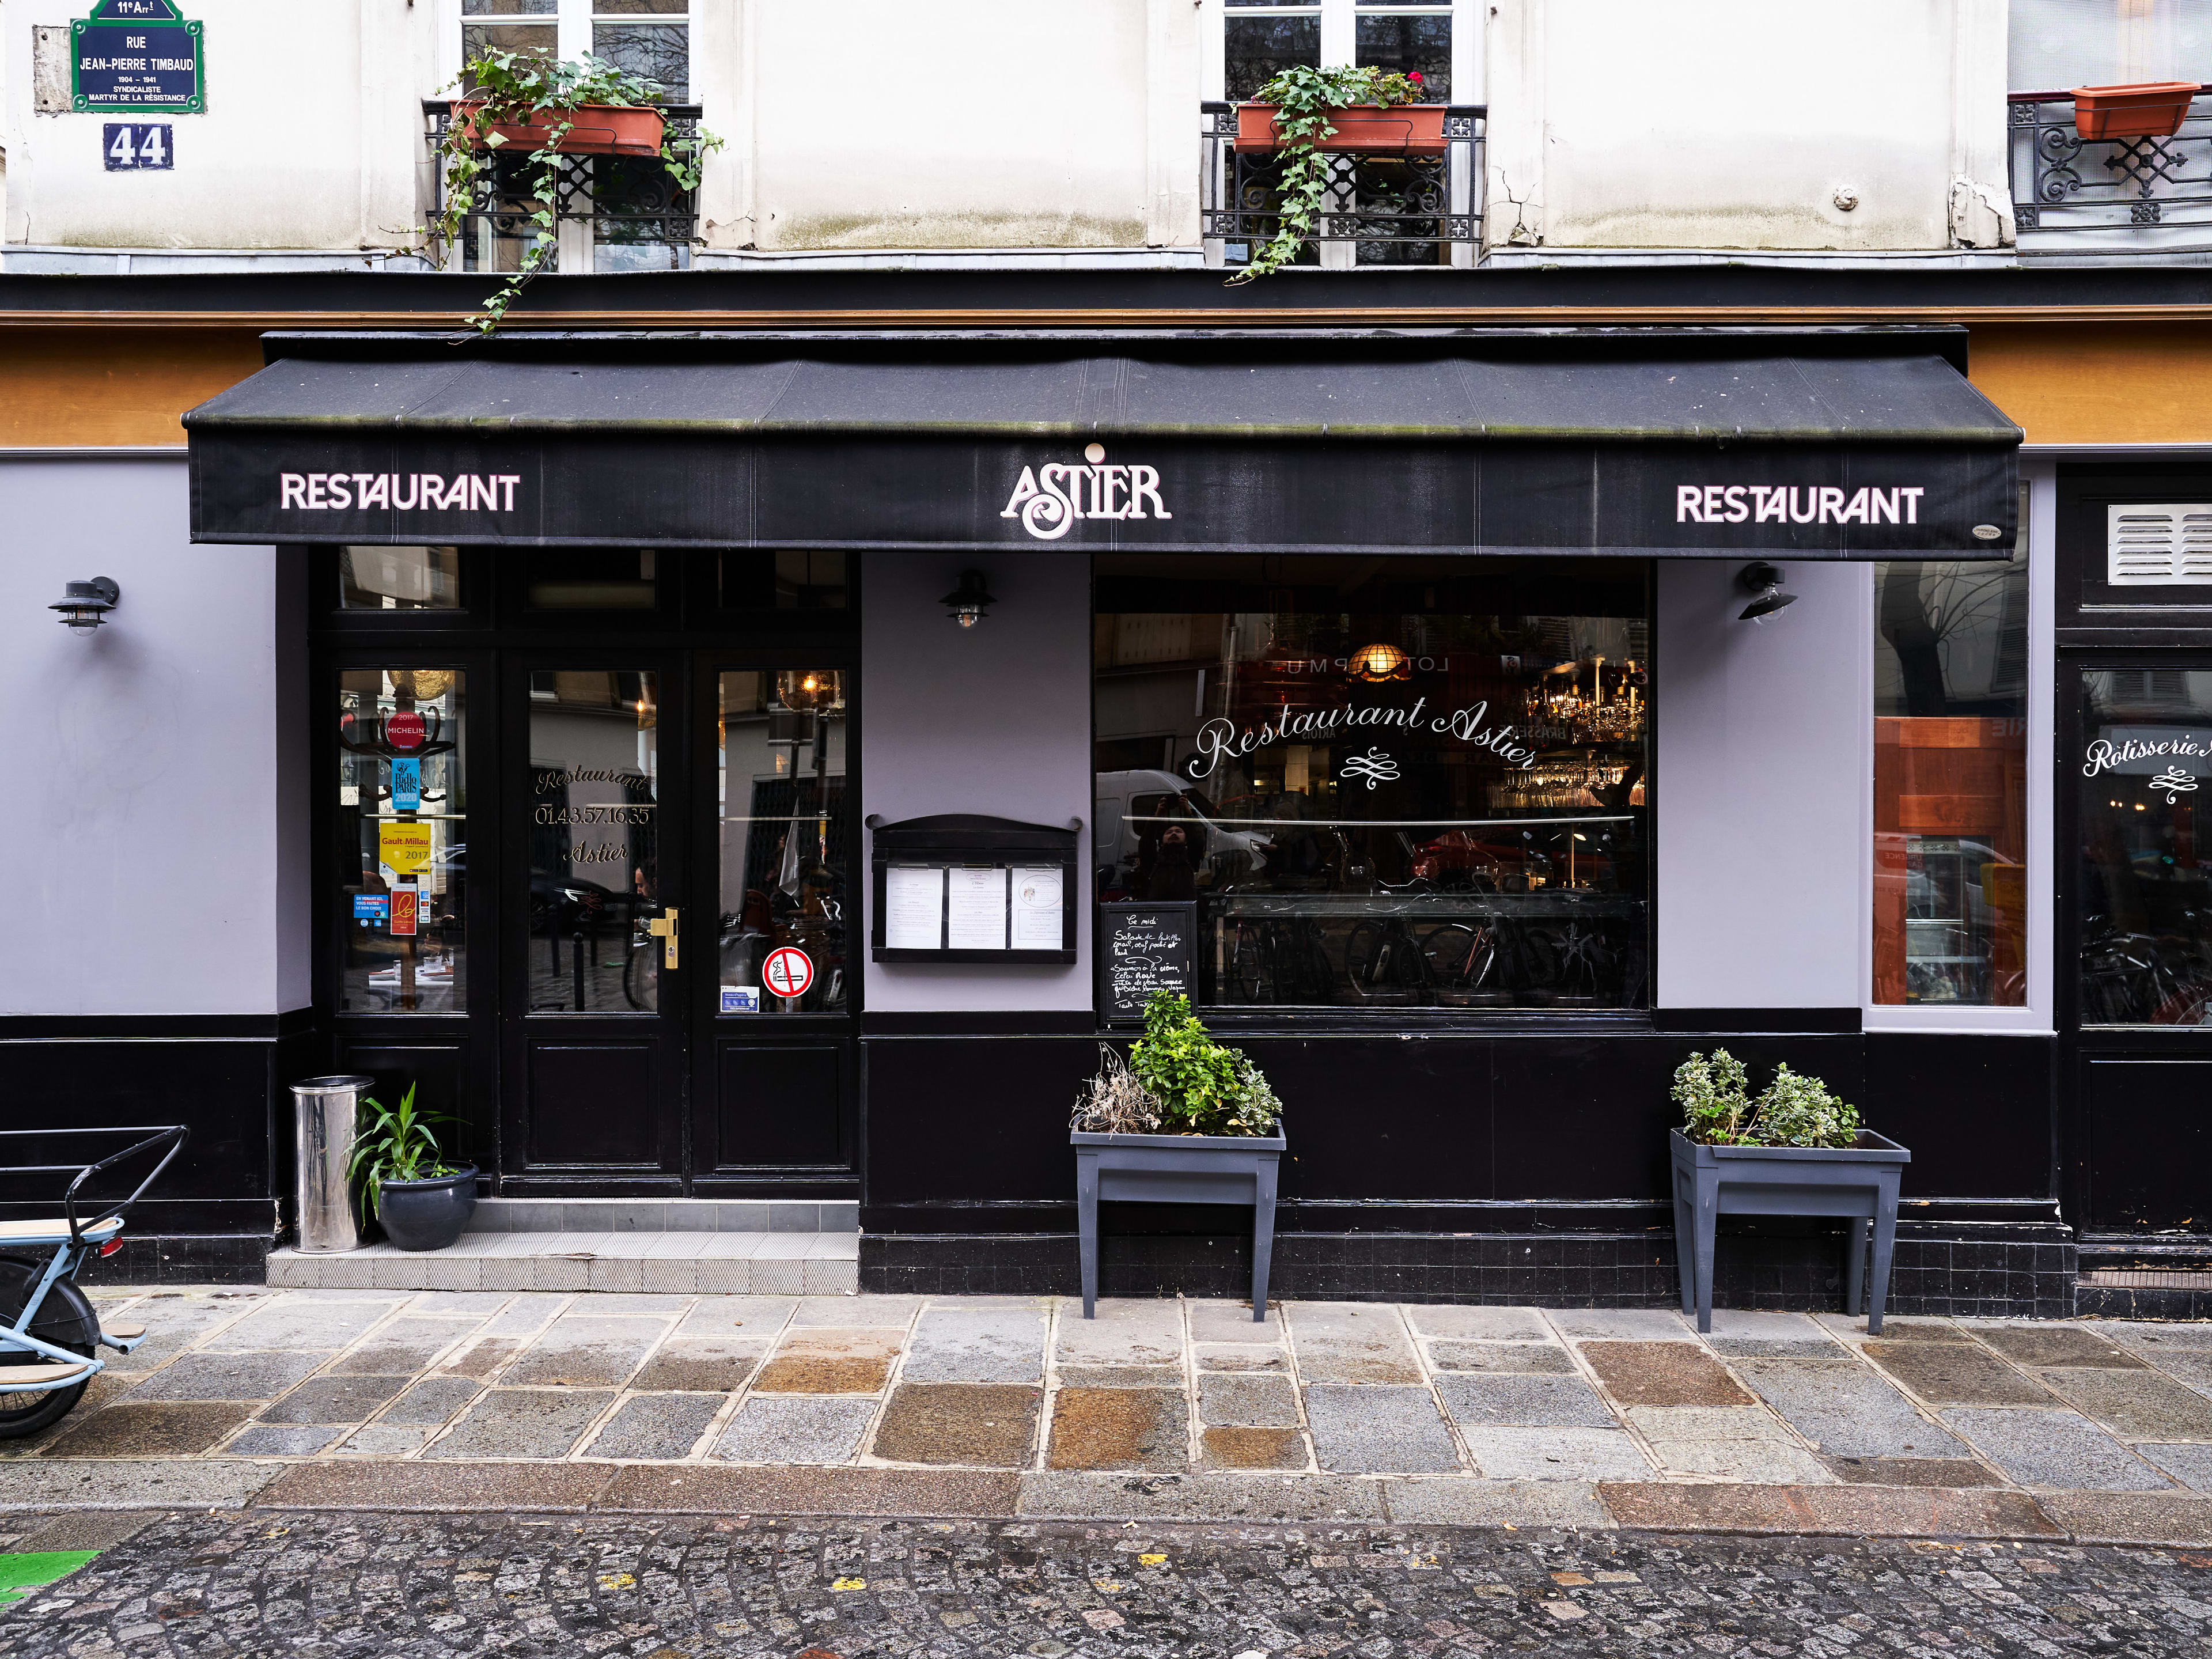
column 994, row 124
column 159, row 864
column 1765, row 788
column 310, row 140
column 994, row 720
column 1735, row 124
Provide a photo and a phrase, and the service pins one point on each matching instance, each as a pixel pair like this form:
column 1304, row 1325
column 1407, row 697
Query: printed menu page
column 914, row 907
column 975, row 914
column 1039, row 912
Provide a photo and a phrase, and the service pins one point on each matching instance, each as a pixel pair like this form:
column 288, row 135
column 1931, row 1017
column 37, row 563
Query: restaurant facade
column 735, row 763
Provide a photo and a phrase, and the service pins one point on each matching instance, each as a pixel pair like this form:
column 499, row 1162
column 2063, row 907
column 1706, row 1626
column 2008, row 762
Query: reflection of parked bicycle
column 1279, row 962
column 2138, row 979
column 1491, row 962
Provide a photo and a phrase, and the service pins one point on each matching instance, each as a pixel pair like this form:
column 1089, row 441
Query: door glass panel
column 1256, row 48
column 2145, row 908
column 594, row 841
column 402, row 902
column 784, row 871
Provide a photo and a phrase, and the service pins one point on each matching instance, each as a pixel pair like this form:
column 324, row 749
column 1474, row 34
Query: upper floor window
column 2056, row 43
column 652, row 38
column 1262, row 37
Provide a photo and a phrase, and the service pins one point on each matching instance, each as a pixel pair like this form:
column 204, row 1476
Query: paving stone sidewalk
column 1010, row 1406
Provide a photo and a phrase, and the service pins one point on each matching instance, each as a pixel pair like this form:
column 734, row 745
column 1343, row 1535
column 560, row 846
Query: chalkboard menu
column 1143, row 948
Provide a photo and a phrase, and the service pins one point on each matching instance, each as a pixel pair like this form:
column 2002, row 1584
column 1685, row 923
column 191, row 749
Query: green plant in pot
column 1307, row 103
column 1793, row 1110
column 560, row 108
column 423, row 1200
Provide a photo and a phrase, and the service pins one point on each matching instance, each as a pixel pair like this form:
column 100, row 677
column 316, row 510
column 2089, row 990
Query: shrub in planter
column 423, row 1201
column 1794, row 1150
column 1184, row 1121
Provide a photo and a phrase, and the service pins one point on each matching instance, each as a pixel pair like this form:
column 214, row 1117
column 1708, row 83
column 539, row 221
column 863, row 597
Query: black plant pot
column 427, row 1215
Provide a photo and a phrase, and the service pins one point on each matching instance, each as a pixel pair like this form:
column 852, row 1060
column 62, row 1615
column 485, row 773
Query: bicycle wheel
column 1449, row 949
column 67, row 1321
column 638, row 982
column 1364, row 952
column 1252, row 968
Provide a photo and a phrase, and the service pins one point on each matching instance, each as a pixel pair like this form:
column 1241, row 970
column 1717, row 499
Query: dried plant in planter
column 1114, row 1103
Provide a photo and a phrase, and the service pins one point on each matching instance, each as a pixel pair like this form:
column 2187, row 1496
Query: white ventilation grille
column 2159, row 545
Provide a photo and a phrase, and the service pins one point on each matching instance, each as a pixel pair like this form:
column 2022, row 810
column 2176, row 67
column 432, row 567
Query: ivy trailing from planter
column 1306, row 101
column 511, row 88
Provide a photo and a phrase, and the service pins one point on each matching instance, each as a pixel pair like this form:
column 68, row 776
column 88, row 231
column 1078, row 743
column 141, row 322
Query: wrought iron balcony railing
column 610, row 212
column 1384, row 209
column 2082, row 195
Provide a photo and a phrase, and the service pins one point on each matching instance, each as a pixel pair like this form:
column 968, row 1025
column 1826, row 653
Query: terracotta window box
column 2147, row 109
column 1362, row 129
column 599, row 129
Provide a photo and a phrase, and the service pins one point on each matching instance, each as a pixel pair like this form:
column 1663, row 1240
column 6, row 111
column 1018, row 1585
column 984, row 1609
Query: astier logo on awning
column 404, row 492
column 1050, row 499
column 1794, row 504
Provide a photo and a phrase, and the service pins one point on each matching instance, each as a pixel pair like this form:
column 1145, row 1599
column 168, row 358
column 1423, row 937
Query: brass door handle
column 663, row 927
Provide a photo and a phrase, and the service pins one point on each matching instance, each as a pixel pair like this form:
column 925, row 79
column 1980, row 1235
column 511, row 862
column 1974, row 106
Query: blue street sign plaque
column 134, row 147
column 137, row 55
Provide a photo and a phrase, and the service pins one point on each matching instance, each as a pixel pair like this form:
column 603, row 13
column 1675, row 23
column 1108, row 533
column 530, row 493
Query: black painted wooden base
column 2012, row 1272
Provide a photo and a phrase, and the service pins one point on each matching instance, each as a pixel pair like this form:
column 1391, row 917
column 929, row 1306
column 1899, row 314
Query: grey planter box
column 1858, row 1182
column 1177, row 1170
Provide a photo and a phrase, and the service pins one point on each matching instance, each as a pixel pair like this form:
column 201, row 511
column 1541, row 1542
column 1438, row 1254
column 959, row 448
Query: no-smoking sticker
column 787, row 972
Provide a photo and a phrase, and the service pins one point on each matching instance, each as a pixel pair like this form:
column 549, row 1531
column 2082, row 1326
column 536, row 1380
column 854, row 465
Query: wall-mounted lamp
column 85, row 605
column 1765, row 580
column 970, row 602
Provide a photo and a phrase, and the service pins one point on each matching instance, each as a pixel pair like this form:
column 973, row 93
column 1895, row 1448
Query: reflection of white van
column 1125, row 801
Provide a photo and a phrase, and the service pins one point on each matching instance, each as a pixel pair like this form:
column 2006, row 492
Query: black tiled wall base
column 2012, row 1272
column 209, row 1259
column 2147, row 1302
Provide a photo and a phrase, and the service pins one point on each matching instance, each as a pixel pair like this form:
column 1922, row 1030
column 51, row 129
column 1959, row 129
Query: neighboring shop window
column 399, row 578
column 1397, row 782
column 1260, row 38
column 402, row 842
column 594, row 841
column 1950, row 783
column 2145, row 905
column 782, row 935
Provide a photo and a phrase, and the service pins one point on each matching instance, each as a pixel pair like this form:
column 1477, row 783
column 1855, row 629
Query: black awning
column 1843, row 449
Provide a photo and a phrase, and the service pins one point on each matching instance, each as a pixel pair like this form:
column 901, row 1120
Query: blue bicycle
column 50, row 1334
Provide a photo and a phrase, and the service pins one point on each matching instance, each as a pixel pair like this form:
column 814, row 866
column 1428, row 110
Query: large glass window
column 1950, row 783
column 402, row 842
column 1385, row 782
column 594, row 841
column 783, row 843
column 2145, row 907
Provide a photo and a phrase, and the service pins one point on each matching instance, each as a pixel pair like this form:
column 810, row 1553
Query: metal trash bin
column 328, row 1109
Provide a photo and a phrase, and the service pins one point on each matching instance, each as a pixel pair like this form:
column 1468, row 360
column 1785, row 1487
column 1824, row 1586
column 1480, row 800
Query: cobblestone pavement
column 1156, row 1410
column 402, row 1586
